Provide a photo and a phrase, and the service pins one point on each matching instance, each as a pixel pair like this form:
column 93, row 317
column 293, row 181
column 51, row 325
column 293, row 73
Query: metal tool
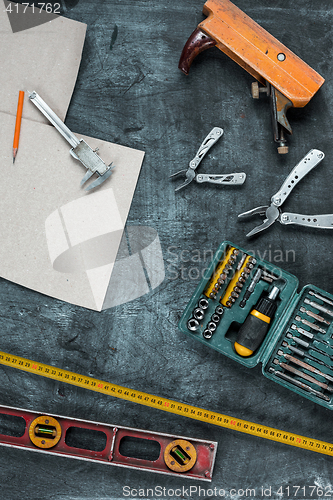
column 198, row 314
column 320, row 297
column 190, row 175
column 273, row 212
column 279, row 105
column 301, row 374
column 307, row 345
column 309, row 335
column 304, row 365
column 69, row 437
column 237, row 281
column 80, row 149
column 311, row 325
column 220, row 274
column 241, row 262
column 314, row 315
column 213, row 323
column 266, row 276
column 318, row 306
column 250, row 288
column 298, row 383
column 304, row 354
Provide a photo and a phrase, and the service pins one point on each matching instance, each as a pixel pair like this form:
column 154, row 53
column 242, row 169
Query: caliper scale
column 80, row 149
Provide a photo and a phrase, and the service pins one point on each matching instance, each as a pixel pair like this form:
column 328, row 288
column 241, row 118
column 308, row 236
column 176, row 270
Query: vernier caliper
column 80, row 149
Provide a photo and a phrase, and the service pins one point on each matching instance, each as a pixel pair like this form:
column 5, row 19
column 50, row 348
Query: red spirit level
column 108, row 444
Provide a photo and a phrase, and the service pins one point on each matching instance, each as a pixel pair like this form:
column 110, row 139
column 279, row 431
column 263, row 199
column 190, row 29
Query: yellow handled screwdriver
column 255, row 327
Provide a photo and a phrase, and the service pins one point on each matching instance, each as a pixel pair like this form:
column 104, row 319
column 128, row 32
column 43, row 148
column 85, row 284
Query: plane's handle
column 197, row 43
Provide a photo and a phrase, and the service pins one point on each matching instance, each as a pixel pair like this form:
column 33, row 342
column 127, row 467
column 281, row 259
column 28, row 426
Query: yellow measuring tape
column 165, row 404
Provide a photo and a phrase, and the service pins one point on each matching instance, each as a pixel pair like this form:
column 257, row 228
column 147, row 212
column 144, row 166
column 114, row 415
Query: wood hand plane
column 286, row 79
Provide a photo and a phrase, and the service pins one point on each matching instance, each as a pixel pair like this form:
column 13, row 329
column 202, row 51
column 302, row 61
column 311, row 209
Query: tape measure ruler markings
column 165, row 404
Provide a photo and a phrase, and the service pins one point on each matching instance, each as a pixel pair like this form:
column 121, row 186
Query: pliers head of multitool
column 271, row 214
column 189, row 175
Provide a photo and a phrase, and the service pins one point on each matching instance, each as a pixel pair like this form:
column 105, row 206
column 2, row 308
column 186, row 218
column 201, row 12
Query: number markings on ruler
column 165, row 404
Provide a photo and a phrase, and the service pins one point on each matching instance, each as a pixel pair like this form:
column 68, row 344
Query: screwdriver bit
column 314, row 315
column 301, row 374
column 318, row 306
column 308, row 345
column 304, row 354
column 320, row 297
column 311, row 325
column 298, row 383
column 304, row 365
column 309, row 335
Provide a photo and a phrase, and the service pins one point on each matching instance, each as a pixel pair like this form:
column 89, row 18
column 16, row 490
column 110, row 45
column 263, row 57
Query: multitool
column 272, row 212
column 190, row 174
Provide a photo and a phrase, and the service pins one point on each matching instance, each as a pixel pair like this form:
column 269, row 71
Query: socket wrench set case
column 249, row 310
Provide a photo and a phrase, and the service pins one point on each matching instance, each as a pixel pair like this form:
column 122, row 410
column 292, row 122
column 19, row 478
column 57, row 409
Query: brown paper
column 34, row 59
column 58, row 239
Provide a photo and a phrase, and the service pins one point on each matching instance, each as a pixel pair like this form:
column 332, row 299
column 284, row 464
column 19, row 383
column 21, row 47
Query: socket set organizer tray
column 249, row 310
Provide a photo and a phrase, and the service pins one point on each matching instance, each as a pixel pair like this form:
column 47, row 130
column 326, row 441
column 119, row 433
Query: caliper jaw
column 93, row 163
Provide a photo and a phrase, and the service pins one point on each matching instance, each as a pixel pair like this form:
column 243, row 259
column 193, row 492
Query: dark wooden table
column 130, row 91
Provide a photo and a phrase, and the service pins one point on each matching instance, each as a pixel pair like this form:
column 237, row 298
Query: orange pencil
column 18, row 124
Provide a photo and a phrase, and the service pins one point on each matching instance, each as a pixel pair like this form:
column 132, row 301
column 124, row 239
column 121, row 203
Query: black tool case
column 212, row 318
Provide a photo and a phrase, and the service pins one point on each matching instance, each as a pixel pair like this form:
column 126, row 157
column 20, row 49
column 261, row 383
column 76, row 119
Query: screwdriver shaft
column 311, row 325
column 308, row 345
column 309, row 335
column 250, row 288
column 298, row 329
